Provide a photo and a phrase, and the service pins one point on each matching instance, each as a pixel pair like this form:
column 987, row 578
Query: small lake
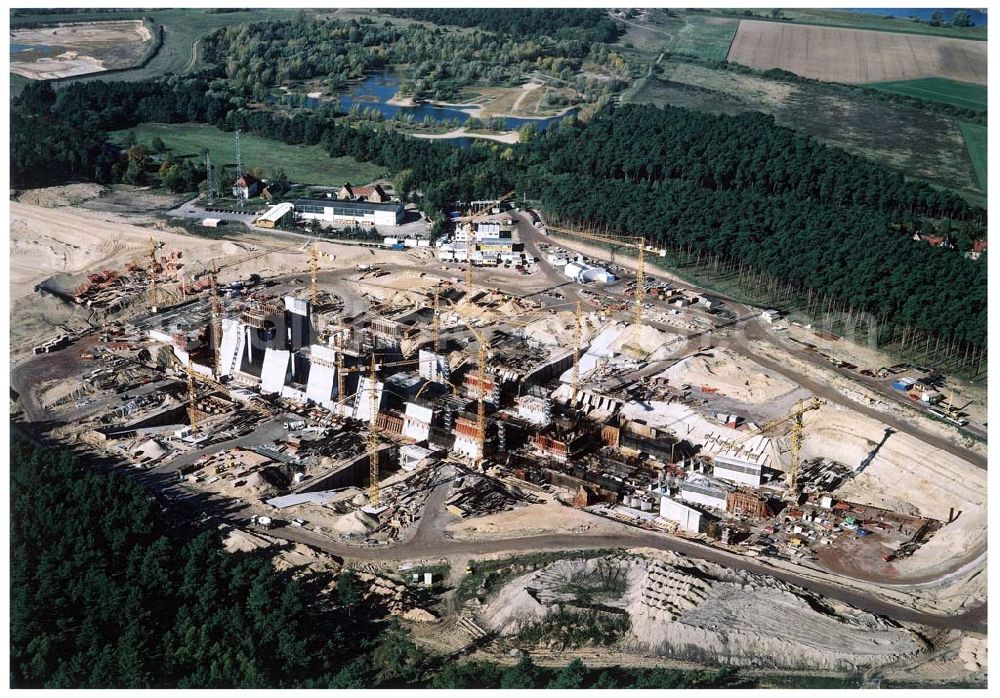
column 978, row 18
column 376, row 90
column 24, row 48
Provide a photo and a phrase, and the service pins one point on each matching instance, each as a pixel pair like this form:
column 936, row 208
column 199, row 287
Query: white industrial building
column 586, row 273
column 360, row 212
column 687, row 517
column 417, row 421
column 432, row 366
column 537, row 410
column 707, row 491
column 412, row 457
column 741, row 470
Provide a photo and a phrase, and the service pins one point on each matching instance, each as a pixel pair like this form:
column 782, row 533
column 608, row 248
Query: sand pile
column 558, row 329
column 299, row 556
column 67, row 195
column 649, row 344
column 354, row 524
column 150, row 449
column 734, row 376
column 240, row 541
column 689, row 609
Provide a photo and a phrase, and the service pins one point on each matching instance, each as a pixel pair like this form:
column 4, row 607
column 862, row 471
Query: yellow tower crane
column 192, row 395
column 341, row 382
column 313, row 270
column 437, row 319
column 796, row 438
column 637, row 243
column 797, row 434
column 577, row 341
column 153, row 246
column 216, row 321
column 373, row 489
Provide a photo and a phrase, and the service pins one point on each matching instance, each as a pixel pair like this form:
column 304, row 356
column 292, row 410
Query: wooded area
column 435, row 63
column 736, row 186
column 590, row 25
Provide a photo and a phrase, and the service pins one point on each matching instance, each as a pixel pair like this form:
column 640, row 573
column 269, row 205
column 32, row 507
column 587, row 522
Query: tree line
column 591, row 25
column 738, row 185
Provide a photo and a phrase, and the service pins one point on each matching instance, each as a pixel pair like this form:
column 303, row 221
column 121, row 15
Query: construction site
column 371, row 409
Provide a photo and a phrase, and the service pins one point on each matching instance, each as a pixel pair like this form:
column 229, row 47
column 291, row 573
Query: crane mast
column 341, row 382
column 437, row 320
column 192, row 395
column 640, row 286
column 152, row 274
column 481, row 406
column 314, row 269
column 577, row 340
column 216, row 321
column 373, row 491
column 468, row 265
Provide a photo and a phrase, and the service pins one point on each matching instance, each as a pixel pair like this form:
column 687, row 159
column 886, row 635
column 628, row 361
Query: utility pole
column 210, row 176
column 239, row 172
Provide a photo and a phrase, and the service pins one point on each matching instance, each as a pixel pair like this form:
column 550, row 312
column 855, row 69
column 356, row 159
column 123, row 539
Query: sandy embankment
column 510, row 137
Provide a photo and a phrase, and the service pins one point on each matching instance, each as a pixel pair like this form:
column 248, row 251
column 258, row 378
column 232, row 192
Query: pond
column 24, row 48
column 376, row 90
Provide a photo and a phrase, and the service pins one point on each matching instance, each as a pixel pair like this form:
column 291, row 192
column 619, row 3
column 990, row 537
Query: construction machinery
column 216, row 321
column 637, row 243
column 795, row 416
column 192, row 395
column 577, row 341
column 154, row 245
column 437, row 319
column 373, row 489
column 313, row 270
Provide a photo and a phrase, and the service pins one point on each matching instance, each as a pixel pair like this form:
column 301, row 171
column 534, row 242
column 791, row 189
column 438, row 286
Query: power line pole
column 239, row 172
column 210, row 176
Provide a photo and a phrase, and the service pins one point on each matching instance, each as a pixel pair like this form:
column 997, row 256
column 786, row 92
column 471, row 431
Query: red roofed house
column 249, row 186
column 978, row 247
column 372, row 193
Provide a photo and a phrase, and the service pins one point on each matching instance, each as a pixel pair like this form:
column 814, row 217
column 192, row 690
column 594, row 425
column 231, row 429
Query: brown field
column 856, row 55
